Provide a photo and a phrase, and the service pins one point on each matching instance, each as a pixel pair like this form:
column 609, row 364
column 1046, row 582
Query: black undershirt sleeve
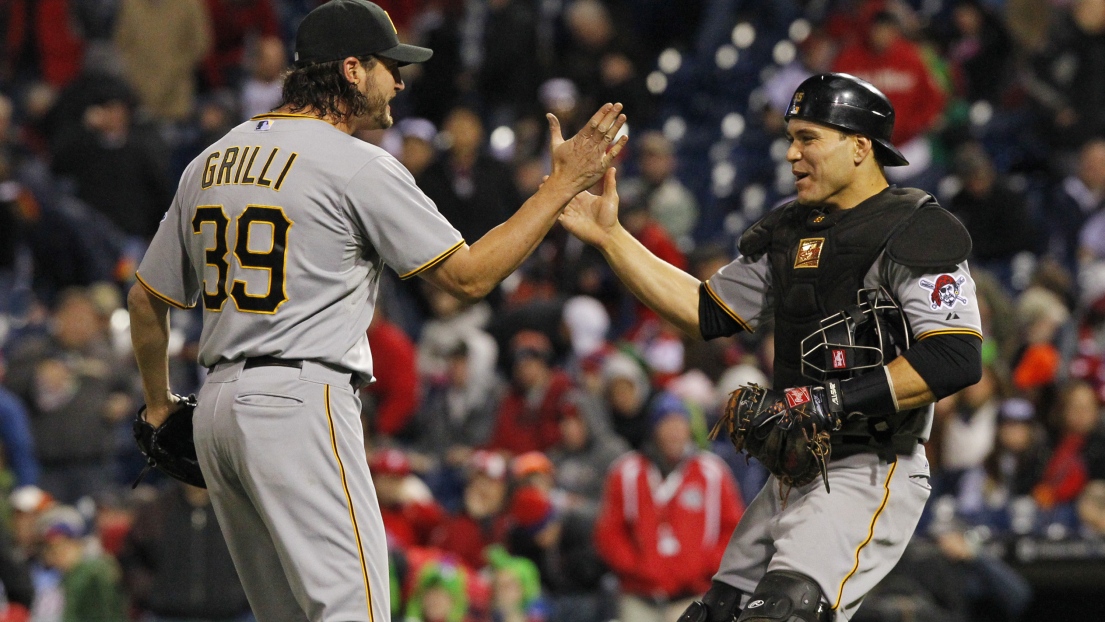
column 713, row 321
column 948, row 362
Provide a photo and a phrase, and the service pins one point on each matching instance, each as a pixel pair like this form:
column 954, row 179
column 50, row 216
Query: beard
column 376, row 116
column 378, row 112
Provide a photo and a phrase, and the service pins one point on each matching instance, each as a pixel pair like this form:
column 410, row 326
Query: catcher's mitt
column 170, row 447
column 788, row 431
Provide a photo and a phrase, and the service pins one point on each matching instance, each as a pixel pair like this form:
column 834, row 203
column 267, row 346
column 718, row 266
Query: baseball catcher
column 853, row 378
column 169, row 447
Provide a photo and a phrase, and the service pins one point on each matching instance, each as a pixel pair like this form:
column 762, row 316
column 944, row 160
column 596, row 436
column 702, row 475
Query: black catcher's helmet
column 847, row 103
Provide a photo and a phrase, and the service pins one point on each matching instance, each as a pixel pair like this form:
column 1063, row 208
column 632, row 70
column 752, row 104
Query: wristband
column 870, row 393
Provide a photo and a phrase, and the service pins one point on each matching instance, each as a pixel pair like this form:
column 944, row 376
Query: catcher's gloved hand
column 169, row 447
column 788, row 431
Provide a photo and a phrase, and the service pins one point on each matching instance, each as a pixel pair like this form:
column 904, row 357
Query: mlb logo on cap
column 839, row 360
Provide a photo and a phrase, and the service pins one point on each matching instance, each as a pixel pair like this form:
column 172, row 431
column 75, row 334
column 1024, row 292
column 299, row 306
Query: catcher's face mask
column 868, row 334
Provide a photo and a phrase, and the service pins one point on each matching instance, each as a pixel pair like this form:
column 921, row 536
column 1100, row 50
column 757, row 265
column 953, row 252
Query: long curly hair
column 323, row 89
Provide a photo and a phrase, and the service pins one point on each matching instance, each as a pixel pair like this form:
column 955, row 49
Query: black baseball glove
column 787, row 431
column 170, row 447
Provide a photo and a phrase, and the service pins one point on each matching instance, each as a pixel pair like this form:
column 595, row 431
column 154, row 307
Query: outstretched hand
column 581, row 160
column 592, row 218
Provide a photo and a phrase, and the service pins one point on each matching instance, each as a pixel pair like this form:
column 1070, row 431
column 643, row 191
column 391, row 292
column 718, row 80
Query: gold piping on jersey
column 349, row 501
column 232, row 288
column 159, row 295
column 870, row 532
column 433, row 262
column 949, row 331
column 724, row 307
column 283, row 115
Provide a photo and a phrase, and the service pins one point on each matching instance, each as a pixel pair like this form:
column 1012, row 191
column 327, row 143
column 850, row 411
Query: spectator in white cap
column 626, row 393
column 418, row 137
column 586, row 322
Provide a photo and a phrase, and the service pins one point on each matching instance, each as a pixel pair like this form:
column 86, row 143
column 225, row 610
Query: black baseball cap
column 343, row 28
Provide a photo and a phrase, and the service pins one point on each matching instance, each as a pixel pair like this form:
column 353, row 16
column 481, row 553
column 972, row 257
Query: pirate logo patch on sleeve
column 945, row 291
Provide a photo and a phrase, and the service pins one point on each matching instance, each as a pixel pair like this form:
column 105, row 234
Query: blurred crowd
column 544, row 454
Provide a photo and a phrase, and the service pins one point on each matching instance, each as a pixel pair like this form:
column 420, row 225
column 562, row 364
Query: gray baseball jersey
column 281, row 230
column 848, row 540
column 934, row 302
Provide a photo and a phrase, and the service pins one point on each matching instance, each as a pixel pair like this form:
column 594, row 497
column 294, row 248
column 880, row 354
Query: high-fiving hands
column 593, row 218
column 581, row 160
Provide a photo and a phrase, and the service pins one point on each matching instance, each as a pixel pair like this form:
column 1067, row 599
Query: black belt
column 272, row 361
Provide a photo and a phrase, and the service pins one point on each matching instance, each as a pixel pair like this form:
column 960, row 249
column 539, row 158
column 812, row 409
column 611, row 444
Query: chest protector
column 818, row 262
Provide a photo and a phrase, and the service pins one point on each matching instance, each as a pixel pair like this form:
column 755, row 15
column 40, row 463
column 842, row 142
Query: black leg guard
column 720, row 604
column 784, row 596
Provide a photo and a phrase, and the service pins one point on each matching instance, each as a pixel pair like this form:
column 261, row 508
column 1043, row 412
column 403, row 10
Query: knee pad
column 785, row 596
column 720, row 604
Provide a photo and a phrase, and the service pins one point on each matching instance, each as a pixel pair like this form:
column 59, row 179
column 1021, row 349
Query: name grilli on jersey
column 280, row 231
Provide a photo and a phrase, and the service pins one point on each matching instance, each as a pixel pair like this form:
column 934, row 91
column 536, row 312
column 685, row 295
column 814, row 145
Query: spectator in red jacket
column 540, row 396
column 395, row 391
column 235, row 23
column 1078, row 415
column 667, row 513
column 481, row 522
column 40, row 40
column 894, row 64
column 409, row 511
column 638, row 221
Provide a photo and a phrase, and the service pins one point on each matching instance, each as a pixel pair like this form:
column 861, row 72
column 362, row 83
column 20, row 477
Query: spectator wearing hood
column 457, row 415
column 582, row 457
column 439, row 594
column 540, row 397
column 626, row 393
column 515, row 588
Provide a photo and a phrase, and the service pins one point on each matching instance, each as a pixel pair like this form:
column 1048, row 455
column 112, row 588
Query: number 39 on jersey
column 259, row 240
